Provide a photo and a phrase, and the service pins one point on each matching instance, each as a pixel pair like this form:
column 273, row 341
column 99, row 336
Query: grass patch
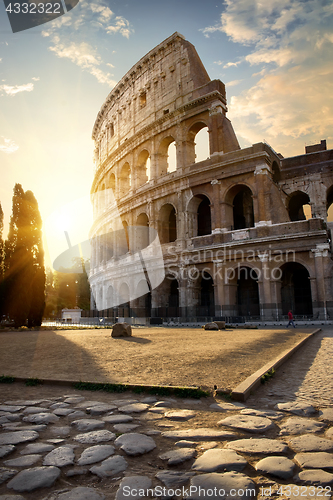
column 180, row 392
column 32, row 382
column 6, row 380
column 267, row 376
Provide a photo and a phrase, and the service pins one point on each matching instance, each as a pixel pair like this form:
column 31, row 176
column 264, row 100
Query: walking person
column 291, row 319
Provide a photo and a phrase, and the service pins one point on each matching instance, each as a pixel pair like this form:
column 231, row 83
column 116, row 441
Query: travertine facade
column 231, row 228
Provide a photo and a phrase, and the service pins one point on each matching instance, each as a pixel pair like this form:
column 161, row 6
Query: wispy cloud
column 233, row 83
column 7, row 145
column 12, row 90
column 290, row 43
column 72, row 45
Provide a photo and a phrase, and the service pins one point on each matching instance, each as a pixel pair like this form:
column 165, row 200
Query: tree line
column 22, row 272
column 28, row 292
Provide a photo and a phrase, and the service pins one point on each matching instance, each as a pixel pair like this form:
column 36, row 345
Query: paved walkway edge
column 245, row 388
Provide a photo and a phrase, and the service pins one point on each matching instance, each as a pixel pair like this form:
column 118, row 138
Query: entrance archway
column 248, row 292
column 296, row 289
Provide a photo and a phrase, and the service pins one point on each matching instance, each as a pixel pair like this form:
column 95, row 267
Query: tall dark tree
column 2, row 256
column 24, row 261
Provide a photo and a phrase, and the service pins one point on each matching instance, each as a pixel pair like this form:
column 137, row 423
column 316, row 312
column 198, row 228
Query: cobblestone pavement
column 60, row 444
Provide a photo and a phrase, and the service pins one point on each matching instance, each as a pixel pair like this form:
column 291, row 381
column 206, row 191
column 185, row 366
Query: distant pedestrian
column 291, row 319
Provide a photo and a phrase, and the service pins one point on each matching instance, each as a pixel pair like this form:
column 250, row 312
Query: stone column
column 265, row 297
column 320, row 252
column 219, row 287
column 215, row 209
column 262, row 208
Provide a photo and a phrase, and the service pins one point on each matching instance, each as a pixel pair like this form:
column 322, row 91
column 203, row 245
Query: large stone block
column 121, row 330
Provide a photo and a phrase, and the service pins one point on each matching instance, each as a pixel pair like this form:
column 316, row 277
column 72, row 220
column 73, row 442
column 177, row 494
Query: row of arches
column 295, row 295
column 127, row 177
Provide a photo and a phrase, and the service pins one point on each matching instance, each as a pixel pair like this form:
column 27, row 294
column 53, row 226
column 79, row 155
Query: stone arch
column 112, row 182
column 296, row 203
column 296, row 289
column 163, row 151
column 124, row 300
column 111, row 299
column 167, row 223
column 201, row 150
column 143, row 302
column 248, row 292
column 329, row 203
column 206, row 295
column 125, row 180
column 239, row 207
column 199, row 216
column 141, row 171
column 123, row 239
column 142, row 232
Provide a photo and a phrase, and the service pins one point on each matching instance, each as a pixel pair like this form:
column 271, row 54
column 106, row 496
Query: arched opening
column 142, row 174
column 204, row 217
column 248, row 292
column 109, row 245
column 276, row 172
column 198, row 148
column 172, row 157
column 296, row 204
column 242, row 208
column 110, row 298
column 201, row 142
column 112, row 182
column 123, row 239
column 142, row 232
column 125, row 180
column 207, row 303
column 102, row 198
column 296, row 289
column 168, row 224
column 330, row 204
column 143, row 301
column 124, row 301
column 166, row 156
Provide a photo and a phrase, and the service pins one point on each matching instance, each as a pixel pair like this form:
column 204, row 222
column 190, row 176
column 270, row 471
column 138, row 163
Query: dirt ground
column 161, row 356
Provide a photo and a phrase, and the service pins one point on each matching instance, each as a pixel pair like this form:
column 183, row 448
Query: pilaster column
column 262, row 208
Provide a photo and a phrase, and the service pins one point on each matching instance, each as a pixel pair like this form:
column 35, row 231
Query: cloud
column 289, row 42
column 233, row 83
column 67, row 37
column 12, row 90
column 7, row 146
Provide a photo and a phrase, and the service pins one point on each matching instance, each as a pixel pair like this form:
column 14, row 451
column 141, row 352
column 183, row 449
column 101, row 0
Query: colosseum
column 183, row 234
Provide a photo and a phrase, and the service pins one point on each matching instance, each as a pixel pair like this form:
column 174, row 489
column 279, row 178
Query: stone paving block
column 60, row 457
column 316, row 477
column 95, row 454
column 219, row 459
column 280, row 467
column 175, row 457
column 37, row 448
column 79, row 493
column 11, row 497
column 131, row 484
column 6, row 474
column 297, row 408
column 315, row 460
column 180, row 415
column 88, row 424
column 118, row 419
column 100, row 409
column 122, row 428
column 218, row 486
column 297, row 425
column 41, row 418
column 248, row 423
column 326, row 414
column 6, row 449
column 199, row 434
column 258, row 446
column 95, row 437
column 18, row 437
column 134, row 408
column 310, row 442
column 273, row 415
column 174, row 479
column 25, row 461
column 110, row 467
column 31, row 479
column 135, row 444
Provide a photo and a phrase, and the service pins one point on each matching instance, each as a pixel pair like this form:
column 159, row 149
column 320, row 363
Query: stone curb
column 245, row 388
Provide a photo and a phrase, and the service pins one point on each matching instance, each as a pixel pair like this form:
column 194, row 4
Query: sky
column 275, row 57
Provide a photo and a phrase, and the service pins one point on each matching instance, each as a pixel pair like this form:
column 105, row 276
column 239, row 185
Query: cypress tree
column 24, row 261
